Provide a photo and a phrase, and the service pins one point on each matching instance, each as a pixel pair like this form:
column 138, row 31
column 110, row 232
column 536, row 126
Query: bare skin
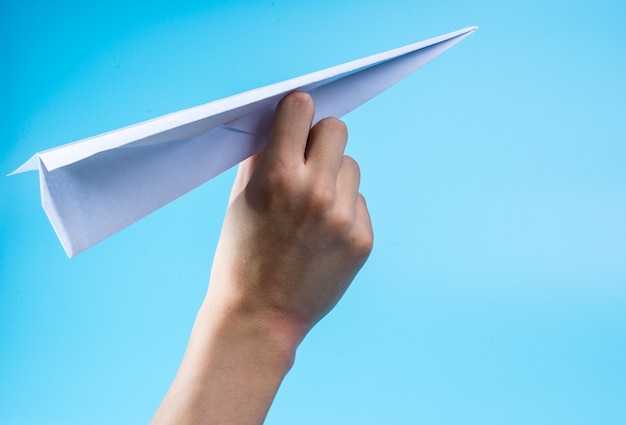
column 296, row 232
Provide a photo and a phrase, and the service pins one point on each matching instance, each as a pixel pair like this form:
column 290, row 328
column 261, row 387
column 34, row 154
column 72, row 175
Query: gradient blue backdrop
column 495, row 177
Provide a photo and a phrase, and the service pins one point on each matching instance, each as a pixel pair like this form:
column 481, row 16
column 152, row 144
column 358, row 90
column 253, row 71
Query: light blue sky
column 495, row 177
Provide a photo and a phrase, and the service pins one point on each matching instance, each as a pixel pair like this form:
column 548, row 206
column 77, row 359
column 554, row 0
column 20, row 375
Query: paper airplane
column 95, row 187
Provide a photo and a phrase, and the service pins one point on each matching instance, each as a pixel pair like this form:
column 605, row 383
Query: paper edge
column 207, row 110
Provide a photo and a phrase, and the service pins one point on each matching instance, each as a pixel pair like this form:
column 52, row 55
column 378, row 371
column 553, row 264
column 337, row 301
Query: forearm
column 231, row 371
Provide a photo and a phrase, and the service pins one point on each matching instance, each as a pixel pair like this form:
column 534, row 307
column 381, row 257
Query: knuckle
column 277, row 181
column 341, row 222
column 362, row 243
column 321, row 197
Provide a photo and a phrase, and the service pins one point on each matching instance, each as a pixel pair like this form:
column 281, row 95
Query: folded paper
column 95, row 187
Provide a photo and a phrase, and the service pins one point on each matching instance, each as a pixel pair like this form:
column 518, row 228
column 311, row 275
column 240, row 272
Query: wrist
column 253, row 356
column 261, row 311
column 233, row 366
column 254, row 338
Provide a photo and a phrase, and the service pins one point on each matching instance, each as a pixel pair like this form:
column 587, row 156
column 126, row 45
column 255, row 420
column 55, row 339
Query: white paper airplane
column 95, row 187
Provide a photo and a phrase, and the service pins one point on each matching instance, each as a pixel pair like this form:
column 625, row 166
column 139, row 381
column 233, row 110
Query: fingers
column 328, row 185
column 325, row 146
column 348, row 180
column 363, row 234
column 292, row 141
column 351, row 210
column 288, row 138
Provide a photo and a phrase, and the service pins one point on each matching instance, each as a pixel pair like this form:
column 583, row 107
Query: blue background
column 495, row 177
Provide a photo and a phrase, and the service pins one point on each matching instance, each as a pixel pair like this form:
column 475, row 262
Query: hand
column 295, row 234
column 297, row 229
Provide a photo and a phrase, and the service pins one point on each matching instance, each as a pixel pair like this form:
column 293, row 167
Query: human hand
column 295, row 234
column 297, row 230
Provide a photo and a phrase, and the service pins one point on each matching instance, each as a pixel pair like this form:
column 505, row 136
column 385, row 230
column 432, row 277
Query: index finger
column 290, row 131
